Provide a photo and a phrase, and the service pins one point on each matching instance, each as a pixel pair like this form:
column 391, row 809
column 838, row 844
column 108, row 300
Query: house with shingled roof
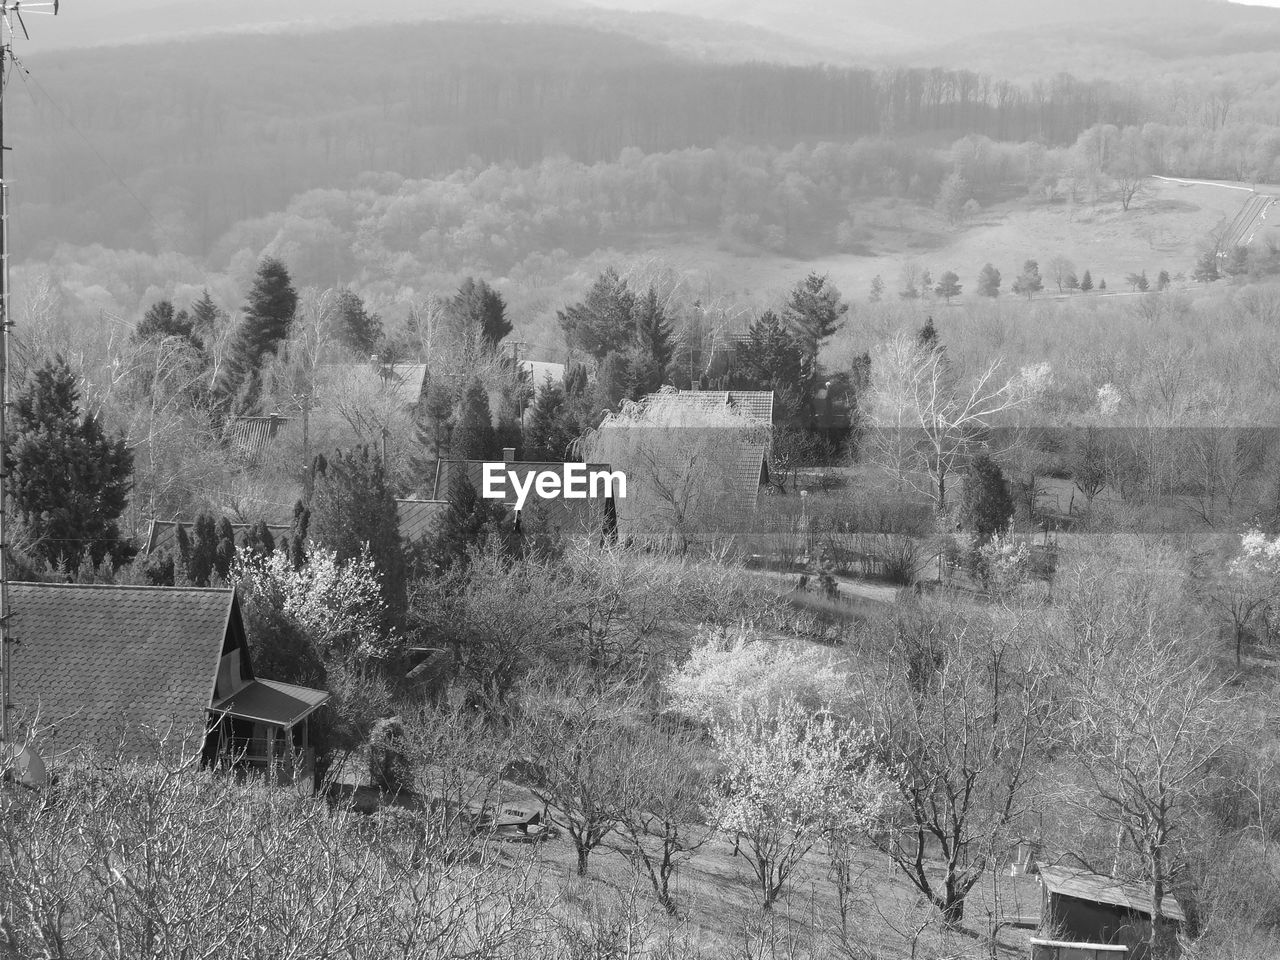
column 115, row 669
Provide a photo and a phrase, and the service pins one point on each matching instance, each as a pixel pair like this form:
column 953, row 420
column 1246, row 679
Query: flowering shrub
column 337, row 605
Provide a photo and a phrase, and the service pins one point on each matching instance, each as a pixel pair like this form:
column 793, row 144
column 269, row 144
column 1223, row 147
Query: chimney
column 508, row 454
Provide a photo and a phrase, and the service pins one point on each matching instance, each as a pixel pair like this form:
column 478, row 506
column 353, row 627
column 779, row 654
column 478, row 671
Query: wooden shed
column 1083, row 908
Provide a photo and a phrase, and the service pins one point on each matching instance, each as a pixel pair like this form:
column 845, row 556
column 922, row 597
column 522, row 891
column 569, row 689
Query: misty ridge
column 408, row 155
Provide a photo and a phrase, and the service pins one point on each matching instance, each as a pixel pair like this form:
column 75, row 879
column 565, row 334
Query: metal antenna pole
column 9, row 10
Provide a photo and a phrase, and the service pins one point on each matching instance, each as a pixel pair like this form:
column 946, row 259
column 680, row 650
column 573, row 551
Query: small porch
column 264, row 728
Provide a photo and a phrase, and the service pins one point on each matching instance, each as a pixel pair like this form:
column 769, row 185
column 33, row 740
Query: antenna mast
column 10, row 15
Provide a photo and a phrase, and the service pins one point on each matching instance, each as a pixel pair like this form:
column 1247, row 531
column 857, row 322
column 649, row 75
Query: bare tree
column 1147, row 722
column 965, row 715
column 926, row 419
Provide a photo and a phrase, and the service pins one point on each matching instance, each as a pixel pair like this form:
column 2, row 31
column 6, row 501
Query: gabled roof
column 163, row 534
column 755, row 405
column 420, row 519
column 94, row 661
column 1083, row 885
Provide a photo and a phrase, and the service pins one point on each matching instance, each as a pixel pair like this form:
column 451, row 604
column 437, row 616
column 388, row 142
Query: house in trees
column 557, row 516
column 695, row 462
column 122, row 669
column 1082, row 910
column 400, row 384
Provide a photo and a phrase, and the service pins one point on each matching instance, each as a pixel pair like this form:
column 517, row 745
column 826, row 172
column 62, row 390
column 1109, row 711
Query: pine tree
column 160, row 322
column 877, row 289
column 815, row 311
column 989, row 282
column 1162, row 280
column 69, row 482
column 987, row 504
column 771, row 358
column 603, row 322
column 927, row 337
column 358, row 330
column 268, row 312
column 353, row 508
column 473, row 437
column 1028, row 281
column 471, row 522
column 550, row 428
column 948, row 286
column 1086, row 282
column 1072, row 282
column 654, row 346
column 202, row 559
column 1102, row 284
column 205, row 317
column 480, row 308
column 299, row 534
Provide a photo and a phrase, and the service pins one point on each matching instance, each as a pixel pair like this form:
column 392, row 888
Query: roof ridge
column 122, row 586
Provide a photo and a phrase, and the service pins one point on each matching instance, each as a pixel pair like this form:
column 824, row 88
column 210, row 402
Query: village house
column 117, row 669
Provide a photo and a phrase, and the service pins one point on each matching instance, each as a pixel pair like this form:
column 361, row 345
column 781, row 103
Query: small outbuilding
column 1083, row 909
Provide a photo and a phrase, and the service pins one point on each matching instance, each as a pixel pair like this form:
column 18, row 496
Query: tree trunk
column 583, row 854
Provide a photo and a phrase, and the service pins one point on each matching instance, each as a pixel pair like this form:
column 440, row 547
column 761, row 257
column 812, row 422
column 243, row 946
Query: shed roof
column 273, row 702
column 95, row 661
column 1083, row 885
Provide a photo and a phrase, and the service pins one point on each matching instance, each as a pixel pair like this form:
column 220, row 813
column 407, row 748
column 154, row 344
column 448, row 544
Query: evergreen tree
column 358, row 330
column 1086, row 282
column 603, row 322
column 1072, row 282
column 268, row 312
column 1102, row 284
column 771, row 358
column 1162, row 280
column 480, row 308
column 471, row 522
column 877, row 289
column 550, row 428
column 353, row 508
column 615, row 381
column 927, row 337
column 225, row 550
column 654, row 346
column 160, row 321
column 1028, row 281
column 259, row 540
column 815, row 311
column 69, row 482
column 205, row 317
column 435, row 419
column 948, row 286
column 299, row 534
column 204, row 551
column 989, row 282
column 987, row 504
column 1143, row 283
column 473, row 436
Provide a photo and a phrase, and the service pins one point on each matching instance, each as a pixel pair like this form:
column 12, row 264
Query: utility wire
column 28, row 81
